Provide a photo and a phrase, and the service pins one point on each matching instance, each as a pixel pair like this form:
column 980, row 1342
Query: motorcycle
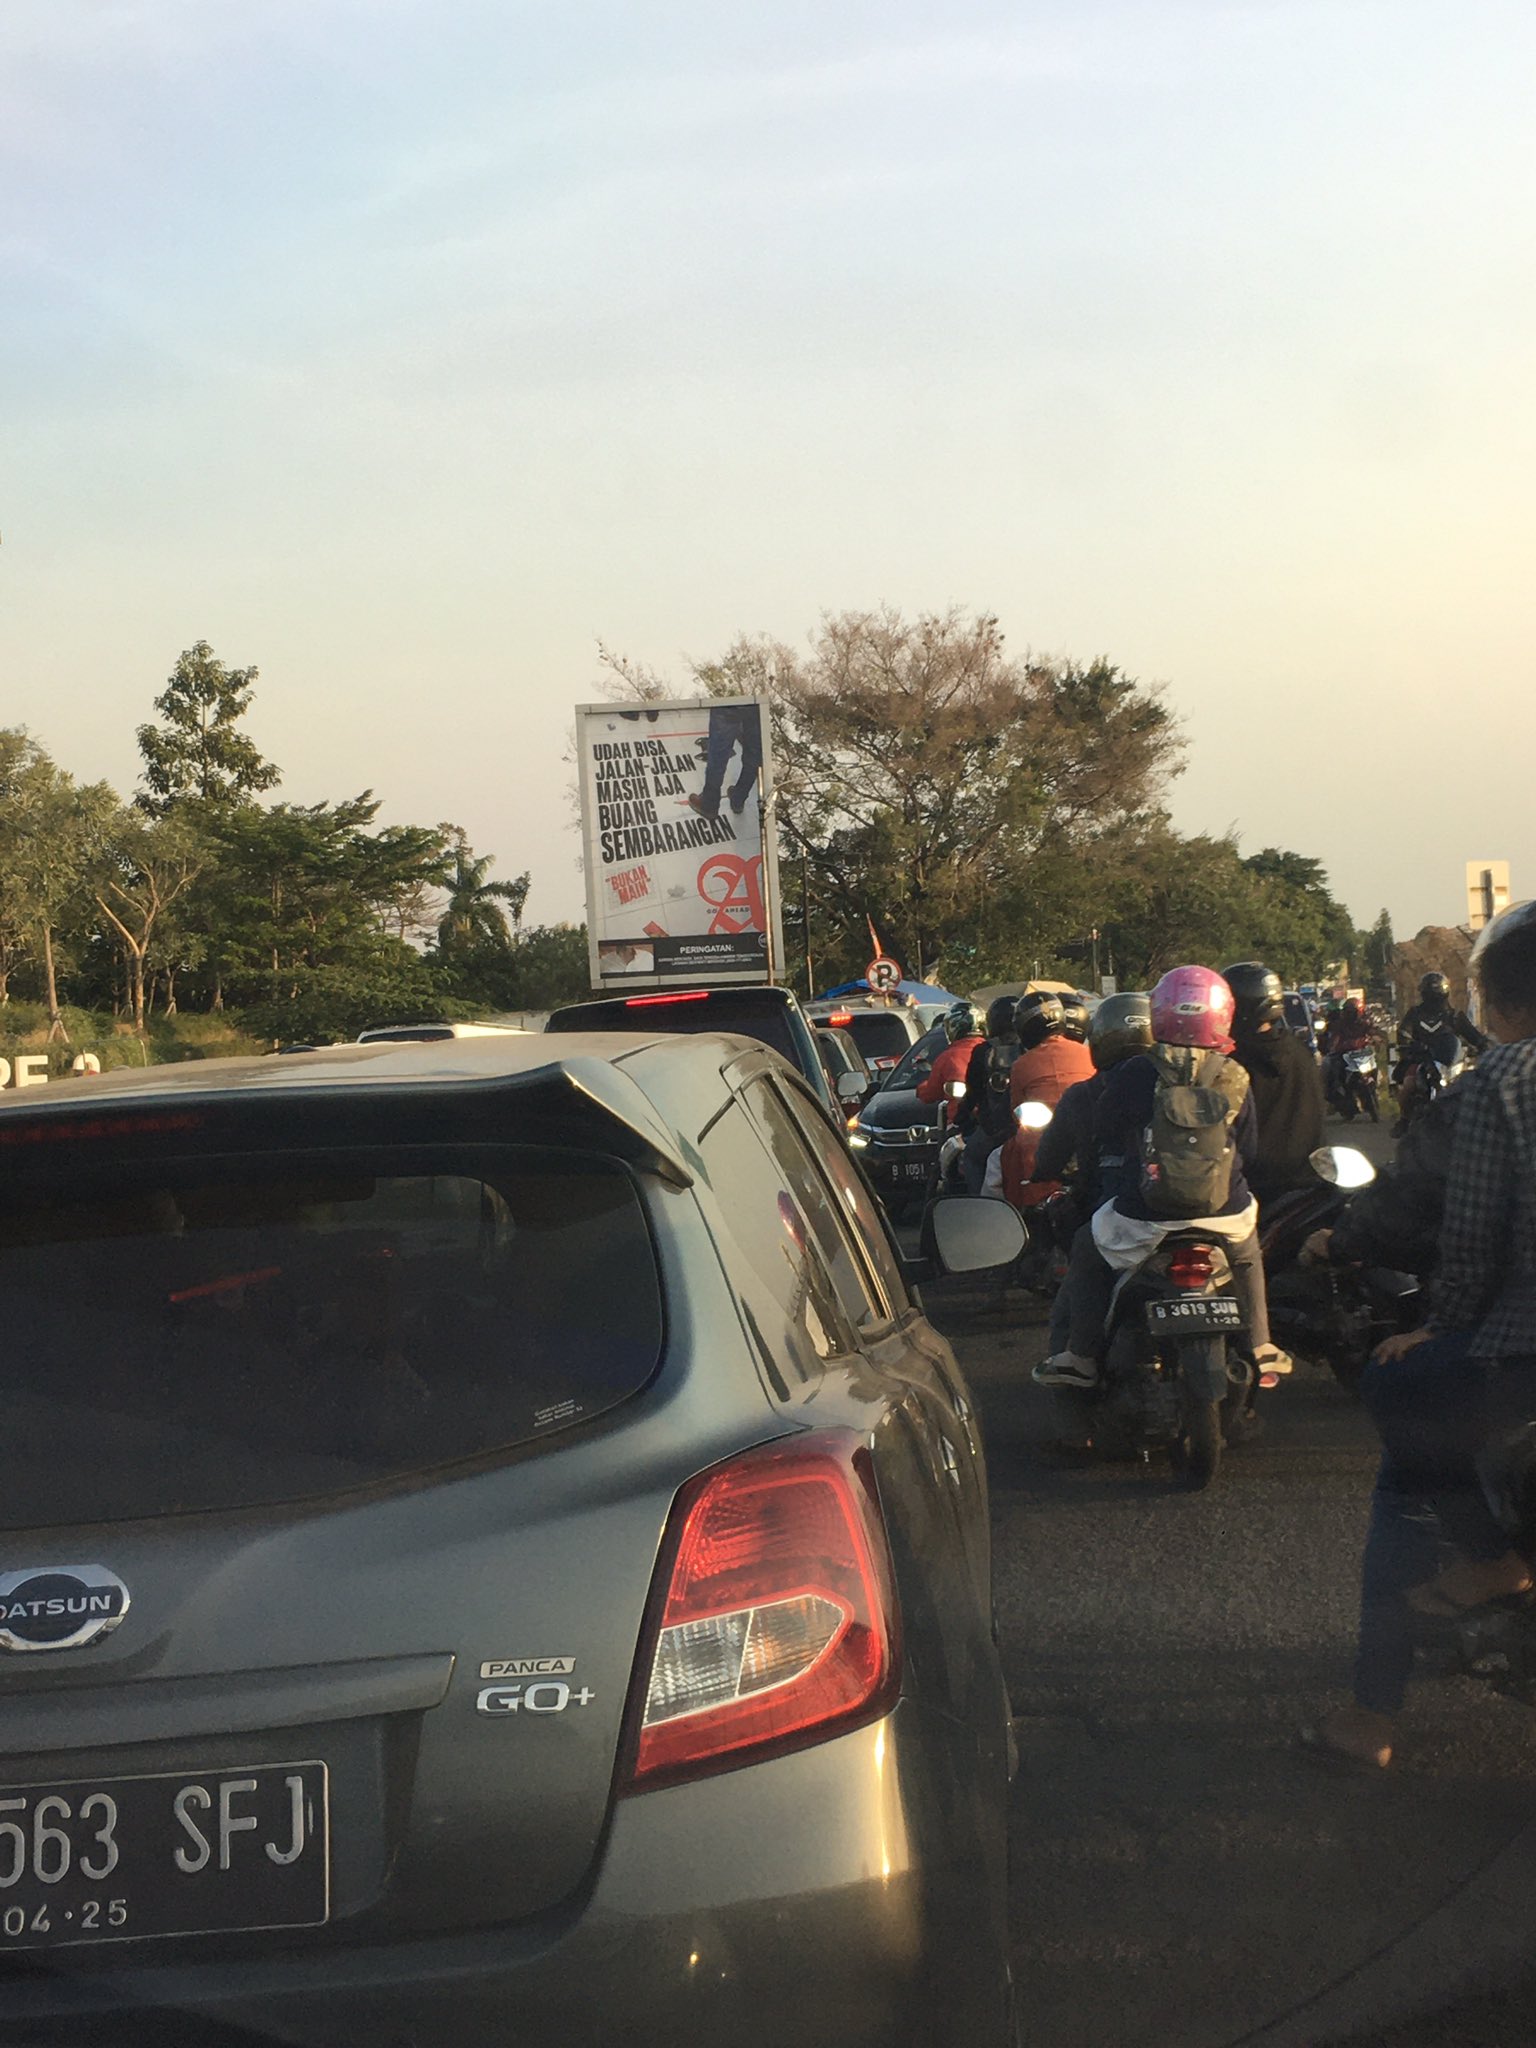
column 1041, row 1263
column 1172, row 1376
column 1356, row 1081
column 1336, row 1315
column 1427, row 1070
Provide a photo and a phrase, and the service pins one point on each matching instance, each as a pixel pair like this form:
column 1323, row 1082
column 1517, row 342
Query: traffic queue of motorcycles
column 1177, row 1368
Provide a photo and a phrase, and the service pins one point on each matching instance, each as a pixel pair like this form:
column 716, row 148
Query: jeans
column 1434, row 1409
column 1090, row 1282
column 979, row 1147
column 728, row 726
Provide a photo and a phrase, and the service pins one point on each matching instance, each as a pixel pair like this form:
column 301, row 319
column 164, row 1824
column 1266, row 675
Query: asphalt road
column 1183, row 1876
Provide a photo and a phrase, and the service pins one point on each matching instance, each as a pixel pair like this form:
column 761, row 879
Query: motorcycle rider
column 1076, row 1022
column 986, row 1114
column 1120, row 1028
column 1431, row 1016
column 962, row 1035
column 1439, row 1393
column 1424, row 1035
column 1348, row 1030
column 1050, row 1062
column 1191, row 1008
column 1283, row 1082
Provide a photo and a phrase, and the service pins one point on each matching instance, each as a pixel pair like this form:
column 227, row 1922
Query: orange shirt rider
column 948, row 1065
column 1043, row 1074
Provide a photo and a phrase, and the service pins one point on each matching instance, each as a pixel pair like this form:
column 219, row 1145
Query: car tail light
column 1191, row 1265
column 773, row 1620
column 686, row 995
column 839, row 1017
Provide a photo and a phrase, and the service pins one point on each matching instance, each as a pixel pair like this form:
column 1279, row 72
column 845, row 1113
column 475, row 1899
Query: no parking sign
column 883, row 975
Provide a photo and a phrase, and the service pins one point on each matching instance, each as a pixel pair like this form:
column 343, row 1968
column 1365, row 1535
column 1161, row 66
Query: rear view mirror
column 1032, row 1116
column 970, row 1236
column 955, row 1090
column 850, row 1090
column 1343, row 1166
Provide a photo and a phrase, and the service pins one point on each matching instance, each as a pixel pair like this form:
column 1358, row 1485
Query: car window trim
column 895, row 1313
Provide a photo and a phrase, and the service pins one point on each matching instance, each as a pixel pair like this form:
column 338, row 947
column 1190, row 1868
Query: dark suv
column 897, row 1137
column 772, row 1015
column 493, row 1550
column 883, row 1032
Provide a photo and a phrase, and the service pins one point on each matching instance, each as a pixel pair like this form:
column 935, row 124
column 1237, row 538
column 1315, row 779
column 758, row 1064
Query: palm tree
column 473, row 914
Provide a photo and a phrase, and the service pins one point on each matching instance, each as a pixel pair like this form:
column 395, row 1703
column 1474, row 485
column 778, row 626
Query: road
column 1183, row 1876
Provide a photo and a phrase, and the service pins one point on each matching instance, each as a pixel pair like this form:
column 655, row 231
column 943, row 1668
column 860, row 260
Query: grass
column 24, row 1029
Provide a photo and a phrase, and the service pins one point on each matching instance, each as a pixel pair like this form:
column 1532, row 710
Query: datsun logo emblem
column 59, row 1607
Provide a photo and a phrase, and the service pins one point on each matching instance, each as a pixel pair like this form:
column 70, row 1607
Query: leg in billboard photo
column 730, row 725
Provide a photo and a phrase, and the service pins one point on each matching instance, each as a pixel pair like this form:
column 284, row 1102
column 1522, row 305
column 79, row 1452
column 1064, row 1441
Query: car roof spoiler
column 598, row 1093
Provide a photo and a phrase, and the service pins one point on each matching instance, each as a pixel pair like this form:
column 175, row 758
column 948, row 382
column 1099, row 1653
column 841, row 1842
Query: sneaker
column 1066, row 1369
column 1269, row 1358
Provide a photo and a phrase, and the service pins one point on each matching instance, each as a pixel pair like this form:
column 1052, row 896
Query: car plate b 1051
column 176, row 1852
column 1197, row 1315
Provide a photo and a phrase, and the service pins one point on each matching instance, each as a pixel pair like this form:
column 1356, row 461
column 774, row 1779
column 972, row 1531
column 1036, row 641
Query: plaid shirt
column 1487, row 1280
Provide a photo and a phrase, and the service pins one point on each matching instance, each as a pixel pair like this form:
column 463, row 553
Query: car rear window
column 234, row 1333
column 716, row 1010
column 879, row 1035
column 920, row 1055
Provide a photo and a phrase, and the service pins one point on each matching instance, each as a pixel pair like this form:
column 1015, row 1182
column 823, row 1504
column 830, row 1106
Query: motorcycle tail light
column 774, row 1620
column 1191, row 1265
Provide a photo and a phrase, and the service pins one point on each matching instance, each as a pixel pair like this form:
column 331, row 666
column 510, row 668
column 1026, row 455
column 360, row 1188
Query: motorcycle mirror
column 973, row 1237
column 1032, row 1116
column 1343, row 1166
column 955, row 1090
column 850, row 1091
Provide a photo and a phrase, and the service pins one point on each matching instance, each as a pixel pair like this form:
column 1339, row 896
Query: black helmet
column 1257, row 994
column 1121, row 1028
column 1038, row 1016
column 1074, row 1019
column 963, row 1021
column 1434, row 988
column 1000, row 1017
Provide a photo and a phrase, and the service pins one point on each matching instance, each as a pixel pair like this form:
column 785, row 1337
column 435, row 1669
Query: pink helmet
column 1192, row 1006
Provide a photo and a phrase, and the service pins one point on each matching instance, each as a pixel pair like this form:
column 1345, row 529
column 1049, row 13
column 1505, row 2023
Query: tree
column 146, row 865
column 198, row 753
column 922, row 771
column 305, row 894
column 52, row 831
column 1376, row 948
column 473, row 915
column 17, row 751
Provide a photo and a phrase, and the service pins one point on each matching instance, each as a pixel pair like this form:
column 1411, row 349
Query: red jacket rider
column 948, row 1065
column 1043, row 1074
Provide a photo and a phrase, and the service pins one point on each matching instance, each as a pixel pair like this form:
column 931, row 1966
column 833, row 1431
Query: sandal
column 1436, row 1600
column 1314, row 1742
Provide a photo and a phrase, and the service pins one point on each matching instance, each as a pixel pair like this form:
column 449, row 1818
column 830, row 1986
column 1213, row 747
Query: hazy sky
column 404, row 347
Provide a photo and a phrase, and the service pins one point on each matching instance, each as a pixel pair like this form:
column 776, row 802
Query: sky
column 407, row 348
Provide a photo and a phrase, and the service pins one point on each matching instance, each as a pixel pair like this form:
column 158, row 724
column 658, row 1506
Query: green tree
column 53, row 830
column 923, row 772
column 144, row 867
column 198, row 752
column 306, row 894
column 473, row 916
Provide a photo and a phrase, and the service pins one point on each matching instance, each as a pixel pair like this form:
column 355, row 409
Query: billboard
column 677, row 834
column 1487, row 891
